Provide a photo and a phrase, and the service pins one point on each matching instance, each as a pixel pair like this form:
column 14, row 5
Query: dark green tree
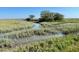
column 47, row 16
column 31, row 17
column 27, row 19
column 58, row 17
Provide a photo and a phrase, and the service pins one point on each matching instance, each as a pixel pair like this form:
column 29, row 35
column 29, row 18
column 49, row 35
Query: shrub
column 41, row 44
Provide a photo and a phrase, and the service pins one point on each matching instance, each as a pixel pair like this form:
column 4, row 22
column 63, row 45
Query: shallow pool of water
column 36, row 26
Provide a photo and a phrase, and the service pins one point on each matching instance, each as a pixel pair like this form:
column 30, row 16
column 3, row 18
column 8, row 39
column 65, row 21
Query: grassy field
column 13, row 33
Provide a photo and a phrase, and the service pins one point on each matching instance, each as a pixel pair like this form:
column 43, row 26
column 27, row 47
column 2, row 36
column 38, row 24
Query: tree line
column 47, row 16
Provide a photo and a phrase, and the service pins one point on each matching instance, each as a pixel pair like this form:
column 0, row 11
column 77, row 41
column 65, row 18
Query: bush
column 28, row 19
column 42, row 45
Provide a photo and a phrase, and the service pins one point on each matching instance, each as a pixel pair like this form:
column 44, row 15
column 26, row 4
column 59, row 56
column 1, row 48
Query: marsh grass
column 54, row 44
column 23, row 29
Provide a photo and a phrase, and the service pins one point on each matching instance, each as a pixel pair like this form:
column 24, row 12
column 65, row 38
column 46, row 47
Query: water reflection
column 36, row 26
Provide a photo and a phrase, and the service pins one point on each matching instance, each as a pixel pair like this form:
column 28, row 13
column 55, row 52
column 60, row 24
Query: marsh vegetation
column 50, row 33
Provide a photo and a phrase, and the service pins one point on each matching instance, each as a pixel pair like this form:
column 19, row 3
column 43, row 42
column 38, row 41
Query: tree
column 46, row 16
column 28, row 19
column 31, row 17
column 58, row 17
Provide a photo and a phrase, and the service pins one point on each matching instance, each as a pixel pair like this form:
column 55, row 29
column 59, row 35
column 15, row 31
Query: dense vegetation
column 64, row 44
column 47, row 16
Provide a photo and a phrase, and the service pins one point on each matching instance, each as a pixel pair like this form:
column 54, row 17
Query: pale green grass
column 14, row 25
